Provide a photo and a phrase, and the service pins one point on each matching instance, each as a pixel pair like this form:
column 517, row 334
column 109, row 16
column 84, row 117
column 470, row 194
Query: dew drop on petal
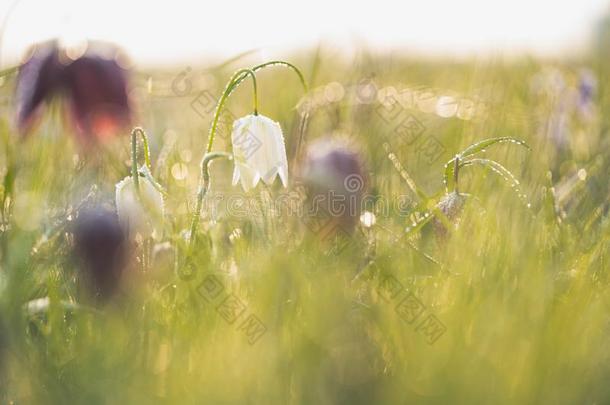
column 235, row 235
column 446, row 106
column 368, row 219
column 179, row 171
column 334, row 92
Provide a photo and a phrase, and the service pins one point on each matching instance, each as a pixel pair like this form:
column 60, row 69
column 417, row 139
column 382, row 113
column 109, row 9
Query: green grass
column 522, row 292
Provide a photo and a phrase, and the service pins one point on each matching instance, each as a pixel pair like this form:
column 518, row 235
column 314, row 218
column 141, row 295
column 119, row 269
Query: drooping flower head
column 92, row 85
column 587, row 89
column 335, row 177
column 141, row 214
column 100, row 247
column 40, row 77
column 97, row 94
column 258, row 145
column 451, row 205
column 259, row 151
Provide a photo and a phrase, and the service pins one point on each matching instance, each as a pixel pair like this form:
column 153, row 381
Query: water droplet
column 368, row 219
column 180, row 171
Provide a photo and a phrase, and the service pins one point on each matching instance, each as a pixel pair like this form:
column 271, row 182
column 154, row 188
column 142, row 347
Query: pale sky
column 181, row 31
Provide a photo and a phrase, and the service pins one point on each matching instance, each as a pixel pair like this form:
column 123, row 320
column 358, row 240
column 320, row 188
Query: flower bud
column 100, row 246
column 141, row 214
column 451, row 205
column 335, row 179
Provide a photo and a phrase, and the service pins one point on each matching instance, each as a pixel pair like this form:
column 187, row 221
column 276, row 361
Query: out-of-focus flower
column 97, row 95
column 94, row 85
column 141, row 214
column 100, row 246
column 40, row 77
column 555, row 105
column 335, row 179
column 259, row 151
column 587, row 88
column 451, row 205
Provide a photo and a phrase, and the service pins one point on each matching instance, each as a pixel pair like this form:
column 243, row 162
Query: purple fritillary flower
column 100, row 246
column 39, row 78
column 587, row 89
column 335, row 179
column 96, row 89
column 93, row 85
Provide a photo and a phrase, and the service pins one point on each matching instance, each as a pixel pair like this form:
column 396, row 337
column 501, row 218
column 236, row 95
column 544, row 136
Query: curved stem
column 223, row 99
column 204, row 185
column 144, row 143
column 135, row 175
column 277, row 63
column 234, row 82
column 305, row 90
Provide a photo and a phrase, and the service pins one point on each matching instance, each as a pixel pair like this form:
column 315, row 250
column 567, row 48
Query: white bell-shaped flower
column 259, row 151
column 142, row 215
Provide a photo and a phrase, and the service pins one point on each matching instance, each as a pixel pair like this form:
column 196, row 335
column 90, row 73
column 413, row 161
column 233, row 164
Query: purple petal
column 97, row 92
column 38, row 79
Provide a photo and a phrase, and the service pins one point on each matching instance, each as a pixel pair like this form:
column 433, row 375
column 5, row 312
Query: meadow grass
column 520, row 292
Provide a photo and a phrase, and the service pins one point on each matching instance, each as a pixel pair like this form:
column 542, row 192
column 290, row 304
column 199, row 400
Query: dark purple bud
column 335, row 179
column 100, row 248
column 96, row 88
column 587, row 86
column 587, row 89
column 39, row 78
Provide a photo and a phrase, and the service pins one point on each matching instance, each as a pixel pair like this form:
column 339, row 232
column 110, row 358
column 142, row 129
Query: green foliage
column 522, row 293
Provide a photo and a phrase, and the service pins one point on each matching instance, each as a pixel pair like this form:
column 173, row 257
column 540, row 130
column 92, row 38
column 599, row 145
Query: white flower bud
column 142, row 215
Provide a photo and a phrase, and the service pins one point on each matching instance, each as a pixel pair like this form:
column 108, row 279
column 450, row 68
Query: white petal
column 235, row 175
column 142, row 215
column 283, row 172
column 258, row 146
column 248, row 177
column 270, row 175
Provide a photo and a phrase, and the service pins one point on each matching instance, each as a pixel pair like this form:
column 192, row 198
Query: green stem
column 204, row 176
column 277, row 63
column 223, row 99
column 204, row 185
column 142, row 133
column 456, row 169
column 234, row 82
column 134, row 161
column 135, row 175
column 305, row 90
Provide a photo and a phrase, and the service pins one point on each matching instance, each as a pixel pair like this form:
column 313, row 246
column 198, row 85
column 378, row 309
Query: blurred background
column 520, row 288
column 182, row 31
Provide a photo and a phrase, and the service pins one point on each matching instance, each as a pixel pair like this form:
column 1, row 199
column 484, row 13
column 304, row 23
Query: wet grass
column 510, row 307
